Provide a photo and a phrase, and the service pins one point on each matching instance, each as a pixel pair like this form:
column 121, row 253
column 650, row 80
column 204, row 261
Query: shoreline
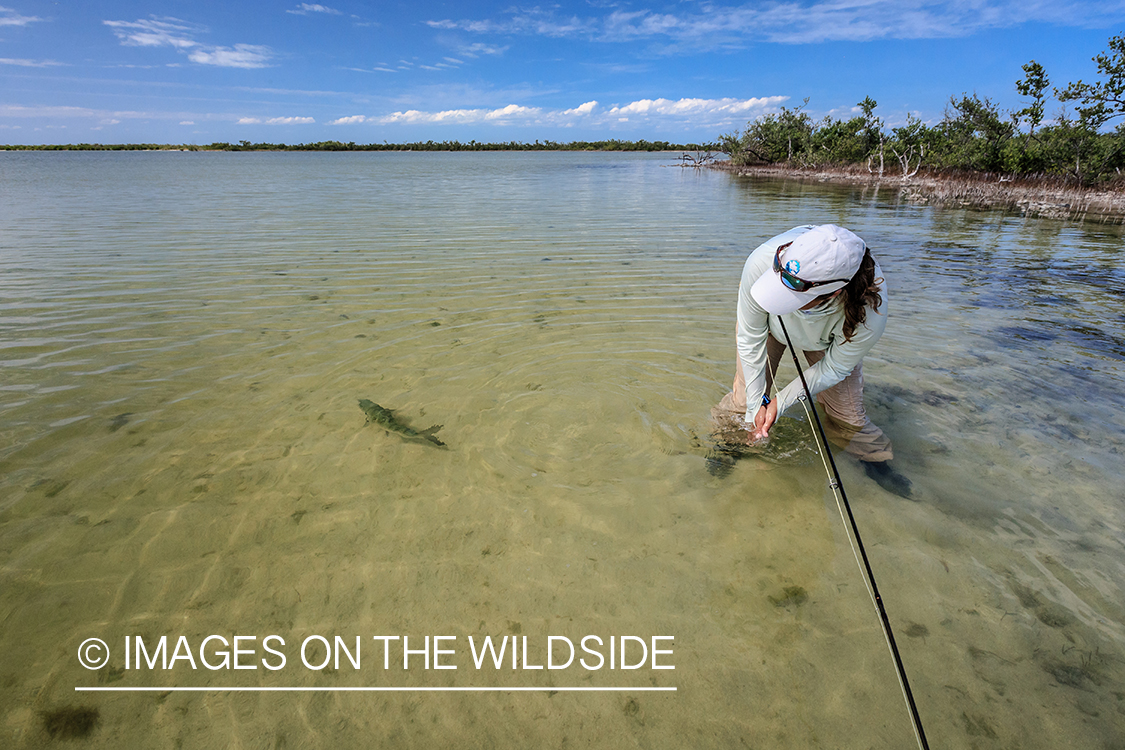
column 1043, row 197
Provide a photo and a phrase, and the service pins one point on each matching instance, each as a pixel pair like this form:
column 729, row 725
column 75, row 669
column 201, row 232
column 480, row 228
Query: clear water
column 184, row 339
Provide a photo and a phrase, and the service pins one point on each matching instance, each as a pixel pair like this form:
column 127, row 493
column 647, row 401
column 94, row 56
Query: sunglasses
column 791, row 280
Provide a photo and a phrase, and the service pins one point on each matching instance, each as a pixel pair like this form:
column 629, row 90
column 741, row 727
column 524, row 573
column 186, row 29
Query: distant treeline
column 974, row 134
column 613, row 145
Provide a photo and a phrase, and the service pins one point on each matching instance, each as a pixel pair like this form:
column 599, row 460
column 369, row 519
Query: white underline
column 367, row 689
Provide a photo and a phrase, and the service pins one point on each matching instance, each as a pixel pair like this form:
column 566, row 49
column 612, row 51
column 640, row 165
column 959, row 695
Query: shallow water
column 184, row 339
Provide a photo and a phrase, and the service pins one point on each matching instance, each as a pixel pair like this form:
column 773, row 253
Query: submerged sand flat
column 183, row 455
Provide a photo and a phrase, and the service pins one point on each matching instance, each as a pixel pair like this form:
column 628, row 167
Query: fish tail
column 428, row 434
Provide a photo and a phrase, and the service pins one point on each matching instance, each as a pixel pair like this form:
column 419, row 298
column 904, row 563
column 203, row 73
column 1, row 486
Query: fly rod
column 837, row 484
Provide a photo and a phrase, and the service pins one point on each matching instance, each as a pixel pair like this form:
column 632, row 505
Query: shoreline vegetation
column 977, row 155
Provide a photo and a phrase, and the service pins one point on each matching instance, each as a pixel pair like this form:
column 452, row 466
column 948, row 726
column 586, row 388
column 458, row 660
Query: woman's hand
column 763, row 421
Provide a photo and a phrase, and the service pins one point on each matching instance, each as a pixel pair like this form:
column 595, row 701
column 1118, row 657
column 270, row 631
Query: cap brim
column 778, row 299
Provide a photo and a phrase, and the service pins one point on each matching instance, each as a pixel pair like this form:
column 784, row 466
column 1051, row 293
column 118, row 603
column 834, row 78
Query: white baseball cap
column 826, row 253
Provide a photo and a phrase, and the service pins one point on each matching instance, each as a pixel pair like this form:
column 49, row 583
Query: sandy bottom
column 572, row 499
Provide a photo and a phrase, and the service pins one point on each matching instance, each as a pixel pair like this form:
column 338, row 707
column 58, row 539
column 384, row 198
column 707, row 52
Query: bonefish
column 386, row 419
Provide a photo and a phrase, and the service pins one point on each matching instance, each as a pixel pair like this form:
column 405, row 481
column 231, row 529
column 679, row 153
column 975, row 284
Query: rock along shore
column 1048, row 197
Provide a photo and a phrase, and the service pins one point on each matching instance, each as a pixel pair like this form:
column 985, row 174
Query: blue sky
column 115, row 71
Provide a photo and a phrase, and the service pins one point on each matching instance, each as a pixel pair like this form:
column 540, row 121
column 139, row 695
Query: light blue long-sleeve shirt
column 820, row 329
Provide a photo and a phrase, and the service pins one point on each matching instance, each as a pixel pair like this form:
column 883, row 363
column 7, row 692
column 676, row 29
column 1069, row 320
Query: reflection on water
column 184, row 339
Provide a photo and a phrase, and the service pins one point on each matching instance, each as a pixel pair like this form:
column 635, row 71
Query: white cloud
column 276, row 121
column 187, row 122
column 156, row 32
column 534, row 21
column 305, row 8
column 449, row 115
column 353, row 120
column 499, row 116
column 691, row 107
column 479, row 48
column 28, row 63
column 446, row 63
column 179, row 35
column 512, row 110
column 9, row 17
column 698, row 112
column 241, row 56
column 583, row 109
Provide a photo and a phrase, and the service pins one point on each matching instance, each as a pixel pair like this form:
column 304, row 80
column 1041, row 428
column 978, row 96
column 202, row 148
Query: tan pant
column 847, row 425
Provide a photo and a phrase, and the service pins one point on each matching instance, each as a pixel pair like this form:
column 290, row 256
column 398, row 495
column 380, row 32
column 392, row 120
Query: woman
column 825, row 285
